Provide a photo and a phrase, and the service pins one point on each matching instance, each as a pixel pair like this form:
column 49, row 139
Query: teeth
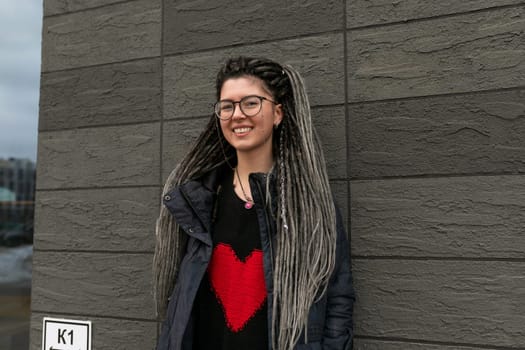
column 241, row 130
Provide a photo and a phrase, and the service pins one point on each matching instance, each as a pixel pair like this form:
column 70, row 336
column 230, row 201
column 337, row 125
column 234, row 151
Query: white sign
column 61, row 334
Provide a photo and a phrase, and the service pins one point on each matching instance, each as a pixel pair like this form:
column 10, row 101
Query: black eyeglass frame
column 261, row 98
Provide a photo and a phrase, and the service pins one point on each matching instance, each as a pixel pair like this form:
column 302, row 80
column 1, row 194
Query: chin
column 244, row 148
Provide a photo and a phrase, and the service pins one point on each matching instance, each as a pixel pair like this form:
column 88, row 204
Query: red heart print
column 238, row 285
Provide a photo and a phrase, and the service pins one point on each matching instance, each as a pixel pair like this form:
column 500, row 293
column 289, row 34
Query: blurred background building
column 17, row 192
column 20, row 62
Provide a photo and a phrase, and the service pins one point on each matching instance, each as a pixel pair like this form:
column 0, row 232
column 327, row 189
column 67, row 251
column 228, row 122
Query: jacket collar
column 192, row 203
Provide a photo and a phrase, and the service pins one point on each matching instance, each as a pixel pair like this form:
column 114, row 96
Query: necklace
column 248, row 202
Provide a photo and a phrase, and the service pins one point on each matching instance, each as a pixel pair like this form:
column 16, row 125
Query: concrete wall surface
column 421, row 110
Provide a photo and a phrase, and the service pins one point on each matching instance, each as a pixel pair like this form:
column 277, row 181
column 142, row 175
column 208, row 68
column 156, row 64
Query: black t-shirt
column 230, row 308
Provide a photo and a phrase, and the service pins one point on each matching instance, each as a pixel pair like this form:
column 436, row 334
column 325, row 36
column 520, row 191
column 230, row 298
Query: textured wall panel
column 108, row 333
column 178, row 137
column 422, row 245
column 98, row 219
column 368, row 344
column 365, row 12
column 54, row 7
column 452, row 217
column 195, row 25
column 474, row 133
column 107, row 156
column 111, row 94
column 330, row 126
column 114, row 285
column 472, row 52
column 189, row 80
column 115, row 33
column 467, row 302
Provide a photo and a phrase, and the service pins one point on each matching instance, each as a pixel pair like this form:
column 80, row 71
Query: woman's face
column 250, row 135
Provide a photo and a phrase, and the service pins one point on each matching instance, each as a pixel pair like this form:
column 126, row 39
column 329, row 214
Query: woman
column 250, row 251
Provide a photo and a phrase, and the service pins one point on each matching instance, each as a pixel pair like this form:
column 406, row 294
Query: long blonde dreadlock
column 306, row 228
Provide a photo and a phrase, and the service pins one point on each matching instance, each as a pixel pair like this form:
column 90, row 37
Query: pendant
column 248, row 205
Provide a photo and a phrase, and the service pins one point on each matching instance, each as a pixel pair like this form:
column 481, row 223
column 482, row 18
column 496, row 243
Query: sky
column 20, row 45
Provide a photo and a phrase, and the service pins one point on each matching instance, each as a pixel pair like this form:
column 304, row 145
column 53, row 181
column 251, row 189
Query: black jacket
column 191, row 204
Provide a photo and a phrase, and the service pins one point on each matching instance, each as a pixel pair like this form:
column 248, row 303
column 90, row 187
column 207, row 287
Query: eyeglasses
column 249, row 105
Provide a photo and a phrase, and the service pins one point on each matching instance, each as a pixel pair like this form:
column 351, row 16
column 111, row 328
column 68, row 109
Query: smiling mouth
column 241, row 130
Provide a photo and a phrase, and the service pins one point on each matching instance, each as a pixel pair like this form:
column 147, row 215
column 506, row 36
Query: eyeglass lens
column 250, row 106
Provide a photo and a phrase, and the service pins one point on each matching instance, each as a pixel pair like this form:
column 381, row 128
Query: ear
column 278, row 114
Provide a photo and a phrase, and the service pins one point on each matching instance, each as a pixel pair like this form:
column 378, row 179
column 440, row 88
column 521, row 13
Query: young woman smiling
column 251, row 252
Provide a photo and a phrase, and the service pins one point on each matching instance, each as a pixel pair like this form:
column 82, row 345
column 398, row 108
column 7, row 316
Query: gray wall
column 420, row 105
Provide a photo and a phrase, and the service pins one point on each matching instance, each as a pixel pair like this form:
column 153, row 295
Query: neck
column 250, row 163
column 246, row 164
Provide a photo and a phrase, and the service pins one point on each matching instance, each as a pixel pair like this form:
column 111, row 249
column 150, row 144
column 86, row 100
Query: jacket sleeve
column 338, row 331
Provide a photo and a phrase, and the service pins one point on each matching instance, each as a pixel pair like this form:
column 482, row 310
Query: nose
column 237, row 111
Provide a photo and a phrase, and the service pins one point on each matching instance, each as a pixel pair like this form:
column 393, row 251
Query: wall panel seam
column 67, row 189
column 437, row 176
column 347, row 115
column 69, row 314
column 90, row 8
column 256, row 42
column 100, row 126
column 161, row 136
column 98, row 65
column 420, row 97
column 161, row 145
column 84, row 251
column 423, row 19
column 437, row 258
column 431, row 342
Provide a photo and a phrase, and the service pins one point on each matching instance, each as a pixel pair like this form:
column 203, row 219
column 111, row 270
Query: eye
column 252, row 102
column 226, row 106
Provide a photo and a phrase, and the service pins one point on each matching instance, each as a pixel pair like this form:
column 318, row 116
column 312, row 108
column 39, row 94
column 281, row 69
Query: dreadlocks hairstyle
column 306, row 227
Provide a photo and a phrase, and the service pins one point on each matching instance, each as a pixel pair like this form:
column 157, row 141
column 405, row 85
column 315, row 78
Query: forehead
column 242, row 86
